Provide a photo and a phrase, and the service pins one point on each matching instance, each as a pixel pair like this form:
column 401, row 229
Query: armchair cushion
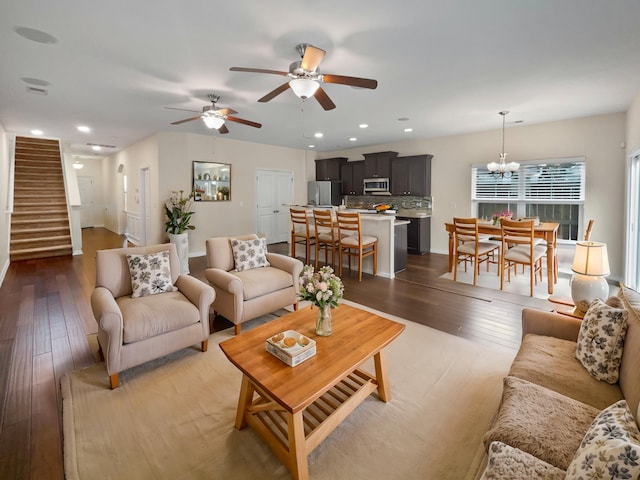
column 150, row 273
column 258, row 282
column 249, row 254
column 146, row 317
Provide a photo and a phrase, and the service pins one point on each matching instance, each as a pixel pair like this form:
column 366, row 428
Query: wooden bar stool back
column 301, row 232
column 353, row 243
column 326, row 236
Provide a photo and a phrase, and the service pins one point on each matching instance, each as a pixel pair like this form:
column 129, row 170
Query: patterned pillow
column 150, row 274
column 249, row 254
column 509, row 463
column 611, row 447
column 601, row 340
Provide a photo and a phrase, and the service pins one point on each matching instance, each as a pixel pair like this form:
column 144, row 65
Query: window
column 552, row 190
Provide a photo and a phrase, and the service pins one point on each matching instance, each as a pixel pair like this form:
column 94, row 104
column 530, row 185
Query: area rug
column 174, row 417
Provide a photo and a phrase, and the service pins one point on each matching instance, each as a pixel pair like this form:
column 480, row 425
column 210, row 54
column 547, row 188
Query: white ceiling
column 447, row 66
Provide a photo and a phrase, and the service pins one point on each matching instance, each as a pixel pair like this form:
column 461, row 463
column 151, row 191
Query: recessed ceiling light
column 36, row 132
column 318, row 135
column 83, row 128
column 34, row 35
column 96, row 148
column 353, row 139
column 403, row 119
column 363, row 125
column 408, row 130
column 312, row 146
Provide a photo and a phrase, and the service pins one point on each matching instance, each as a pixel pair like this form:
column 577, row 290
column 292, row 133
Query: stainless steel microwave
column 376, row 186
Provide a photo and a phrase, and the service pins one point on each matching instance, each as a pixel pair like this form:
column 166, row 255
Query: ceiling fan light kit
column 304, row 87
column 503, row 169
column 213, row 121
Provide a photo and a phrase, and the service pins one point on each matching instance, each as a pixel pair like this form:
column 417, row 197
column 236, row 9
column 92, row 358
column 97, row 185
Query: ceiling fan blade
column 182, row 109
column 274, row 93
column 324, row 100
column 352, row 81
column 258, row 70
column 244, row 122
column 226, row 111
column 186, row 120
column 312, row 57
column 223, row 129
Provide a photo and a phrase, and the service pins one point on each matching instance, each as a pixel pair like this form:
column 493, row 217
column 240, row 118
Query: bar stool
column 301, row 231
column 353, row 243
column 326, row 235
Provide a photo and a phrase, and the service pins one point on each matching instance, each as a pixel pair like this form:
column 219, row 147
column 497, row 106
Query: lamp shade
column 304, row 87
column 213, row 121
column 591, row 259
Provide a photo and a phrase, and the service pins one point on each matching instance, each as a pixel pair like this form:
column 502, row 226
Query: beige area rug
column 173, row 418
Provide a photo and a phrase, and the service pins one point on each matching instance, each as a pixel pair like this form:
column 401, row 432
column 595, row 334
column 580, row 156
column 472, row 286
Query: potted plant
column 178, row 212
column 224, row 192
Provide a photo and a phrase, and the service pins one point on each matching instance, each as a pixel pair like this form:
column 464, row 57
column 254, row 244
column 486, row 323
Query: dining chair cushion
column 522, row 253
column 470, row 248
column 352, row 240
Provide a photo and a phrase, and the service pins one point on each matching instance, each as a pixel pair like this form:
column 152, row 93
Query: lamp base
column 586, row 288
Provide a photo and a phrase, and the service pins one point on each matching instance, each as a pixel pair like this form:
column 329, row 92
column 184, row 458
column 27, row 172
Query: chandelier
column 502, row 169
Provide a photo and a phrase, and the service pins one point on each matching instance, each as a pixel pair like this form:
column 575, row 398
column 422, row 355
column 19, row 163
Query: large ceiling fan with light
column 305, row 79
column 215, row 118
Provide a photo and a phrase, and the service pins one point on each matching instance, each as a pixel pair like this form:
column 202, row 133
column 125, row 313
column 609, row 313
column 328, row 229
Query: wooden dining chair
column 326, row 235
column 469, row 248
column 353, row 243
column 519, row 247
column 301, row 232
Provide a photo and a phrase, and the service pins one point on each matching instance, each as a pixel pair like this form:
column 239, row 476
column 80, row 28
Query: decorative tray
column 291, row 347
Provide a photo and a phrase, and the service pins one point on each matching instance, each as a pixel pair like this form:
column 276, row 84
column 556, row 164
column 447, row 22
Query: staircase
column 40, row 220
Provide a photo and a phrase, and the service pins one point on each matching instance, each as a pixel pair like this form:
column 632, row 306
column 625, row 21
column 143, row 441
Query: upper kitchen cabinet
column 378, row 165
column 411, row 175
column 352, row 174
column 329, row 168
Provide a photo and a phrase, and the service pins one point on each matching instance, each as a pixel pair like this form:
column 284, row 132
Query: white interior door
column 632, row 267
column 85, row 186
column 274, row 194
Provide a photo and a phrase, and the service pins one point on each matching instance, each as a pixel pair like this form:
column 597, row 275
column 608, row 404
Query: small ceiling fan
column 306, row 79
column 214, row 117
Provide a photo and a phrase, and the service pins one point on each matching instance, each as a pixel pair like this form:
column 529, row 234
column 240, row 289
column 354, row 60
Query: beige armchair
column 245, row 295
column 132, row 331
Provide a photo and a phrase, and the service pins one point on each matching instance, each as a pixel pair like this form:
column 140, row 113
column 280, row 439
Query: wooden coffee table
column 294, row 408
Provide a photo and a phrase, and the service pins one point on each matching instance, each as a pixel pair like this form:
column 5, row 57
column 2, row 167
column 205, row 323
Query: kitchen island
column 383, row 227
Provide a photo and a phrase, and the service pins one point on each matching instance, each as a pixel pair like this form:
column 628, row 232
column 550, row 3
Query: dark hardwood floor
column 45, row 317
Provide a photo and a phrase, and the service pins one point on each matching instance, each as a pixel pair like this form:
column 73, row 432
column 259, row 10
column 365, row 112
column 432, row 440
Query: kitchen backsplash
column 418, row 205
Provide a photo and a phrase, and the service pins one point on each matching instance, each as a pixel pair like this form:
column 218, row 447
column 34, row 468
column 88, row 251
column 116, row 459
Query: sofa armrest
column 286, row 263
column 550, row 324
column 220, row 279
column 198, row 293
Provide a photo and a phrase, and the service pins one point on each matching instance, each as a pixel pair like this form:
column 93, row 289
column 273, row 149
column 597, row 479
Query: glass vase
column 323, row 322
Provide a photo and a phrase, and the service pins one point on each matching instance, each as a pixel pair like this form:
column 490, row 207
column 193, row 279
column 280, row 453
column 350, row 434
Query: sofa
column 250, row 282
column 564, row 413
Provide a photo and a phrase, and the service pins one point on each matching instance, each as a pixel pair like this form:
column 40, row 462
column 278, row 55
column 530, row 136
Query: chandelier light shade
column 213, row 121
column 503, row 169
column 590, row 266
column 304, row 87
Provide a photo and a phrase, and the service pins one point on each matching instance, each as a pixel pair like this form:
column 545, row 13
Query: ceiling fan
column 305, row 78
column 214, row 117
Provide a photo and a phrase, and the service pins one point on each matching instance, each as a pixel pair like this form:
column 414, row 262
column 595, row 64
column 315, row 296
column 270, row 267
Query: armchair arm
column 550, row 324
column 223, row 280
column 198, row 293
column 107, row 312
column 286, row 263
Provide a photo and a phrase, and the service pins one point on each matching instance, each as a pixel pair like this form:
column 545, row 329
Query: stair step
column 22, row 140
column 41, row 252
column 23, row 212
column 60, row 239
column 59, row 203
column 38, row 230
column 32, row 221
column 24, row 196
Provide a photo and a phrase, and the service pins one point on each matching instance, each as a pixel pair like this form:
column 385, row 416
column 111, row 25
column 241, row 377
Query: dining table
column 548, row 231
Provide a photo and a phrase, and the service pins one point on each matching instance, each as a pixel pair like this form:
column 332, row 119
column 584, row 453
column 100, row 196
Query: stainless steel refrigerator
column 324, row 192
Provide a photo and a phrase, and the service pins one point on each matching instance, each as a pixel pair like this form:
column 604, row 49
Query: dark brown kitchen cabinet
column 378, row 165
column 411, row 175
column 352, row 175
column 329, row 168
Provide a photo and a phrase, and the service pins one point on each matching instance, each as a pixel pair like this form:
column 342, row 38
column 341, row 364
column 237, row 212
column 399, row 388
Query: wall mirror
column 211, row 181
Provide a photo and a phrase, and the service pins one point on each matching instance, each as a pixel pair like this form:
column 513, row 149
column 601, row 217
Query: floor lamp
column 590, row 267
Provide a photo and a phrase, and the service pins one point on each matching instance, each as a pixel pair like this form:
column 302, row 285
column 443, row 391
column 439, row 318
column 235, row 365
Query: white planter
column 181, row 241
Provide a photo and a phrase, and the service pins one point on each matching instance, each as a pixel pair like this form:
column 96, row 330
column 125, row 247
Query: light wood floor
column 45, row 317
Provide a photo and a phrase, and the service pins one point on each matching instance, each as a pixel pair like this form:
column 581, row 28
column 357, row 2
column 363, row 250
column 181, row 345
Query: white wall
column 633, row 126
column 5, row 217
column 599, row 139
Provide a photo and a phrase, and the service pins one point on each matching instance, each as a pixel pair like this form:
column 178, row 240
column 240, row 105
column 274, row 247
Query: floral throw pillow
column 601, row 340
column 150, row 274
column 509, row 463
column 249, row 254
column 611, row 447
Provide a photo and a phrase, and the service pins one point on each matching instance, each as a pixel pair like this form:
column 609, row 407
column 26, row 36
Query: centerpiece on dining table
column 499, row 216
column 323, row 289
